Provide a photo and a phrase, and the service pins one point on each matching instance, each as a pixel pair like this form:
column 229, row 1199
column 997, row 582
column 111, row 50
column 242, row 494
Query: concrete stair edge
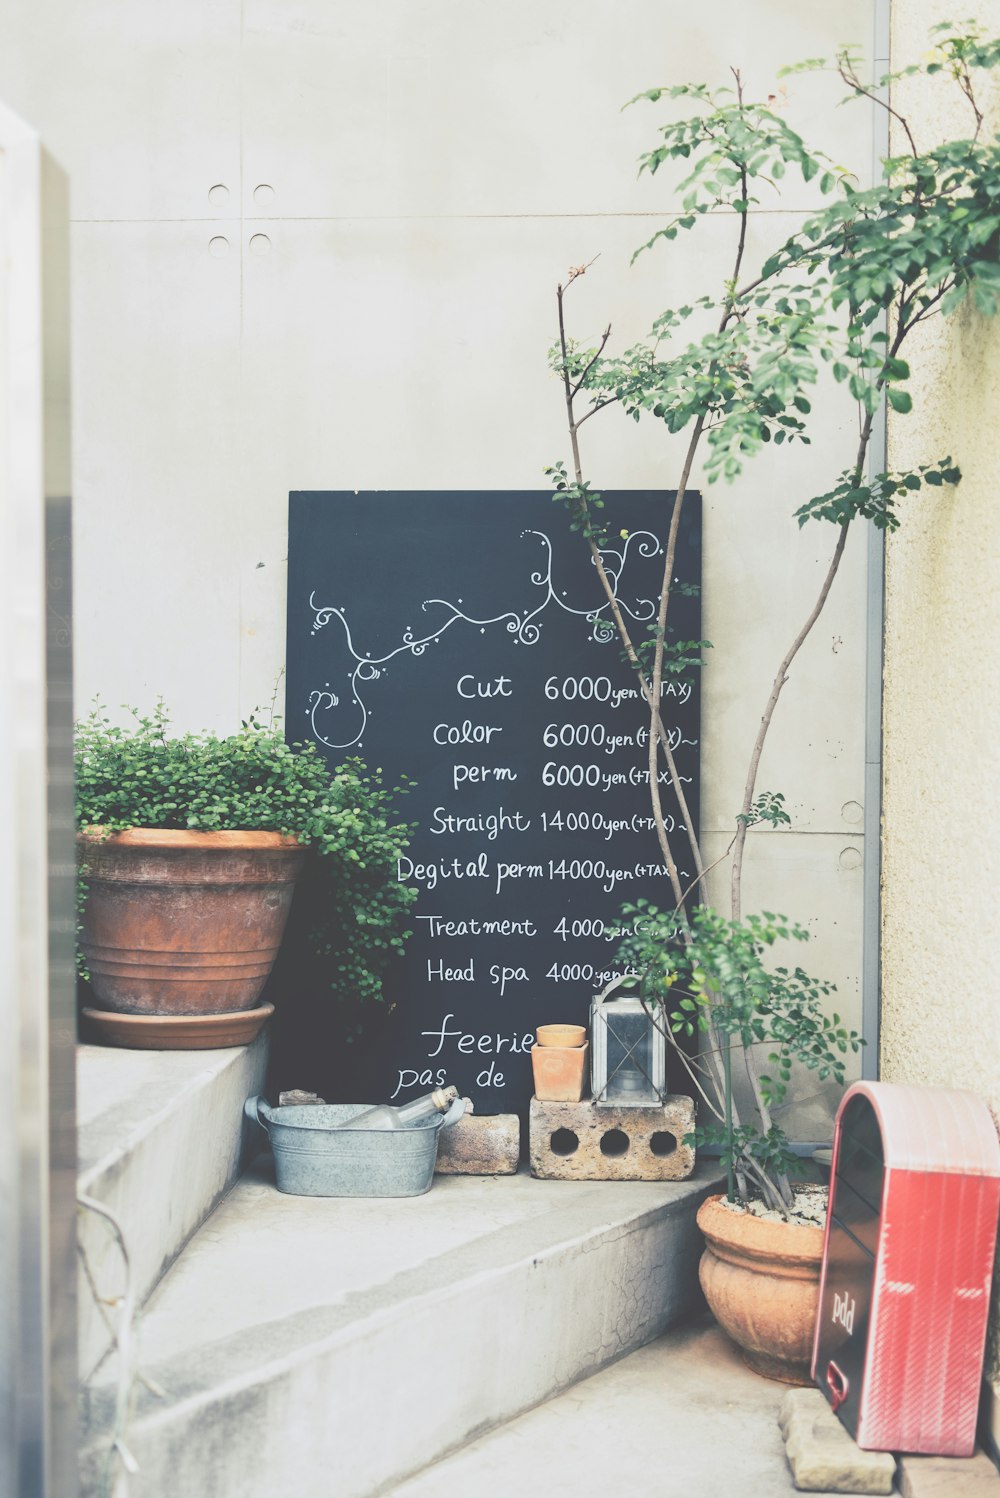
column 480, row 1343
column 161, row 1179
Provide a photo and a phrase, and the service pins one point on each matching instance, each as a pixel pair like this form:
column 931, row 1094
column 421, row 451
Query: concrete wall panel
column 433, row 108
column 156, row 373
column 316, row 245
column 140, row 101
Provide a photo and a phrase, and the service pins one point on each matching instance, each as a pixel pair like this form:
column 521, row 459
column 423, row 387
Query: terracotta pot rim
column 561, row 1036
column 177, row 1021
column 180, row 1032
column 193, row 839
column 756, row 1235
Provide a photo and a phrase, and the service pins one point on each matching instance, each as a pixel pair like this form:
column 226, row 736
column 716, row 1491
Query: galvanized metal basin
column 313, row 1156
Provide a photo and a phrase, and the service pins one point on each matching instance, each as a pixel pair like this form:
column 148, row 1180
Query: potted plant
column 736, row 372
column 188, row 852
column 558, row 1062
column 760, row 1270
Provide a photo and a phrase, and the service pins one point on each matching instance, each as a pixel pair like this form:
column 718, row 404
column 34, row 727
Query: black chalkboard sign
column 464, row 640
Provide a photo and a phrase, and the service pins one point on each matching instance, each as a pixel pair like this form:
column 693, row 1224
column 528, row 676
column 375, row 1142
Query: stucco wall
column 315, row 245
column 940, row 1021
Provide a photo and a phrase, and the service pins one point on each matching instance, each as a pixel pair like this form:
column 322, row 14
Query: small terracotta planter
column 761, row 1281
column 561, row 1035
column 559, row 1072
column 184, row 923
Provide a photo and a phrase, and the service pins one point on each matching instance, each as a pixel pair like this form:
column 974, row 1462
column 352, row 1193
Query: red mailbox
column 907, row 1260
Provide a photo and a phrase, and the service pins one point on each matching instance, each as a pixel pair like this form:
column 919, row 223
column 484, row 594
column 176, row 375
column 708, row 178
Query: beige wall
column 315, row 245
column 940, row 870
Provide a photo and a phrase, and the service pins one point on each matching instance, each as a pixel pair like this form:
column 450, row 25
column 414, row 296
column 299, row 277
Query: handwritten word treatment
column 464, row 641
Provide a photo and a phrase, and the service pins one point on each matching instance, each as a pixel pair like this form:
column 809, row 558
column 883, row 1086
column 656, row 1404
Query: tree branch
column 846, row 70
column 600, row 350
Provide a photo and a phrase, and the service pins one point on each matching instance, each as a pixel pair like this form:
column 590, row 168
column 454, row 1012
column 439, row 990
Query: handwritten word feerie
column 478, row 774
column 492, row 823
column 466, row 732
column 468, row 686
column 438, row 926
column 467, row 1042
column 600, row 689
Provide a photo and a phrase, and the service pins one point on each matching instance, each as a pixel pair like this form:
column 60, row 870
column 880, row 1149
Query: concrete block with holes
column 584, row 1142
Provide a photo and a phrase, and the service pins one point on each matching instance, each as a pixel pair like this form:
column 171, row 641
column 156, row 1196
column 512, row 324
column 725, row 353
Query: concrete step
column 311, row 1346
column 160, row 1135
column 684, row 1415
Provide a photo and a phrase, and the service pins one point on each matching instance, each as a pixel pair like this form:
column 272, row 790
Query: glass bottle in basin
column 386, row 1118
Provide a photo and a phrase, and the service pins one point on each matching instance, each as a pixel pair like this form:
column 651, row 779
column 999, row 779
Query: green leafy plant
column 710, row 979
column 139, row 776
column 738, row 372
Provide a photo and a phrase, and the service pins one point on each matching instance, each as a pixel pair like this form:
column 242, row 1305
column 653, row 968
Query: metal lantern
column 628, row 1055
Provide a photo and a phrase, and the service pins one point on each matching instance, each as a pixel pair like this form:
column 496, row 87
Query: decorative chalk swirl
column 525, row 627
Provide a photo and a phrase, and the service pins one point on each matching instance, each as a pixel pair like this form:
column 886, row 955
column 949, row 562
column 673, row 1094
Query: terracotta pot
column 559, row 1072
column 184, row 923
column 761, row 1281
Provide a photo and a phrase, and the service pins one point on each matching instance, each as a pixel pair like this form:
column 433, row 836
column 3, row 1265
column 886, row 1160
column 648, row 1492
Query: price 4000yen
column 568, row 930
column 585, row 972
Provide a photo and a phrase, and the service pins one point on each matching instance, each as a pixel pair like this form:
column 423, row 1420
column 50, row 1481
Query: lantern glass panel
column 629, row 1061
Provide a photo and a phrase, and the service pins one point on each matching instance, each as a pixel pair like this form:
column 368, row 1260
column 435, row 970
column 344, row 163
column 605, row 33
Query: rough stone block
column 487, row 1146
column 823, row 1456
column 582, row 1142
column 805, row 1408
column 948, row 1477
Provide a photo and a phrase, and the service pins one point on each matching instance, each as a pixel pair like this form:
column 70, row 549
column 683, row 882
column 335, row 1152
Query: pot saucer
column 180, row 1032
